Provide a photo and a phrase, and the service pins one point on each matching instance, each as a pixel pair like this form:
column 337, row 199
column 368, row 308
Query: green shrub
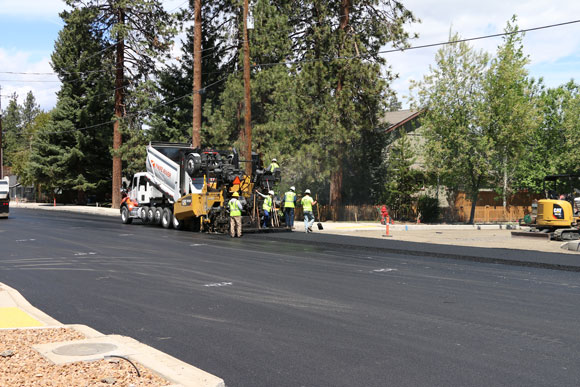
column 429, row 209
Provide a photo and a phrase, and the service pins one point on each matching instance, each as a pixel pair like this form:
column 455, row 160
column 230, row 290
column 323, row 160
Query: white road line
column 218, row 284
column 383, row 270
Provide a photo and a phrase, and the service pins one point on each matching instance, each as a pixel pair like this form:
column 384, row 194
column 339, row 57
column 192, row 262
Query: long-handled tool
column 318, row 211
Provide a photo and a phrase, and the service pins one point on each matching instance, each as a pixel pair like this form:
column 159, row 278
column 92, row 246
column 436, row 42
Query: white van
column 4, row 198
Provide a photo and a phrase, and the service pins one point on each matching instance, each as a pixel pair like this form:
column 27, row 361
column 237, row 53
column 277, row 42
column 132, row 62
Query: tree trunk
column 117, row 140
column 505, row 181
column 196, row 133
column 336, row 176
column 473, row 204
column 336, row 192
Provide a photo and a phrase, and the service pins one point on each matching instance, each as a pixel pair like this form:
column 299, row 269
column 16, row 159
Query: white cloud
column 21, row 84
column 548, row 48
column 477, row 18
column 31, row 8
column 26, row 60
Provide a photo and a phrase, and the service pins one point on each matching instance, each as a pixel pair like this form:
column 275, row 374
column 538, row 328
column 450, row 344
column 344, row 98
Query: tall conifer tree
column 140, row 32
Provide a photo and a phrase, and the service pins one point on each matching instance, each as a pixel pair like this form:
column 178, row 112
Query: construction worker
column 273, row 166
column 289, row 205
column 307, row 203
column 235, row 216
column 267, row 206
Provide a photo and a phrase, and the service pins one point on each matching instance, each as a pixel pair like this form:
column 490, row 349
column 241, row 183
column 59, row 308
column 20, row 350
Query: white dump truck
column 187, row 186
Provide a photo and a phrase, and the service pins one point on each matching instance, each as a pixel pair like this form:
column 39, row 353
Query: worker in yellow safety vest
column 235, row 208
column 273, row 166
column 267, row 207
column 289, row 205
column 307, row 203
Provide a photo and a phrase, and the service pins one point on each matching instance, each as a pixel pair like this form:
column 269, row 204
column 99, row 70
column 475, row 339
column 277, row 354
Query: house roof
column 401, row 117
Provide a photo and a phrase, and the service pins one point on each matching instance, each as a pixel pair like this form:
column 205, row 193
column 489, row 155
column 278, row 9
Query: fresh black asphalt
column 297, row 309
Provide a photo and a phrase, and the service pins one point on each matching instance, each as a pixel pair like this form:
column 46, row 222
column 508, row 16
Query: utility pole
column 119, row 113
column 247, row 100
column 196, row 133
column 1, row 144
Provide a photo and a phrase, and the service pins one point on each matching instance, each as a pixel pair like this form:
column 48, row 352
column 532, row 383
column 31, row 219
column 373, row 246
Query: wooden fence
column 489, row 209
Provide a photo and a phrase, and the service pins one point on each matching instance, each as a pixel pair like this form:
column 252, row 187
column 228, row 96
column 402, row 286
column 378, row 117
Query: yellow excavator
column 559, row 214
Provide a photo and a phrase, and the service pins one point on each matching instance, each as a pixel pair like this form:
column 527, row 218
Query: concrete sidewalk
column 17, row 313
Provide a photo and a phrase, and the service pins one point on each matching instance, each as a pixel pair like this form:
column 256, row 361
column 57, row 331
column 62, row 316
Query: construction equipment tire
column 166, row 218
column 177, row 224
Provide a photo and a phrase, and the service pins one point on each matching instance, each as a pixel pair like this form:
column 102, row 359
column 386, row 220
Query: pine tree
column 340, row 83
column 140, row 32
column 71, row 151
column 12, row 130
column 402, row 180
column 172, row 121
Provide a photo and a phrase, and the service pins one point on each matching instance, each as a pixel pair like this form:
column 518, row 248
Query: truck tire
column 177, row 224
column 151, row 215
column 157, row 215
column 143, row 214
column 125, row 215
column 166, row 218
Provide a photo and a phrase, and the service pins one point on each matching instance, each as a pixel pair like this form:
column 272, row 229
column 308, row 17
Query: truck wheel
column 125, row 215
column 177, row 224
column 143, row 214
column 151, row 215
column 157, row 215
column 166, row 218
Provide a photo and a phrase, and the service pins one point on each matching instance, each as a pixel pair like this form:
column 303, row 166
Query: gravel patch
column 22, row 366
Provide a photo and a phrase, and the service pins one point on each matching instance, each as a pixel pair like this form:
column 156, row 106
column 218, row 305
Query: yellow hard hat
column 236, row 194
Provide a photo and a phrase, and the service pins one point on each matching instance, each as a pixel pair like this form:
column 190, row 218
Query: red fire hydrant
column 386, row 220
column 384, row 214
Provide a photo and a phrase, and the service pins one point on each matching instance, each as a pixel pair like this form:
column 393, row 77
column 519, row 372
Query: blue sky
column 29, row 28
column 34, row 36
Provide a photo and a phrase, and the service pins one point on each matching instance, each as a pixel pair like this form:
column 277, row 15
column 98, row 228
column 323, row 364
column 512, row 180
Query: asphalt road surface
column 272, row 310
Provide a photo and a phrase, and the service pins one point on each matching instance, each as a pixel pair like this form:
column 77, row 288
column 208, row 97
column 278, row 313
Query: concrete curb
column 10, row 297
column 345, row 226
column 571, row 245
column 177, row 372
column 105, row 211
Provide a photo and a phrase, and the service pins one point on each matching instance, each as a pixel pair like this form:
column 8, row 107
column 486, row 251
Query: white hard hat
column 274, row 159
column 292, row 188
column 270, row 192
column 307, row 191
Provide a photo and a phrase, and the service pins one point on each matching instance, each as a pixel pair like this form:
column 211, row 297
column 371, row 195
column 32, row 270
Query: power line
column 28, row 80
column 138, row 112
column 329, row 59
column 419, row 47
column 480, row 37
column 326, row 60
